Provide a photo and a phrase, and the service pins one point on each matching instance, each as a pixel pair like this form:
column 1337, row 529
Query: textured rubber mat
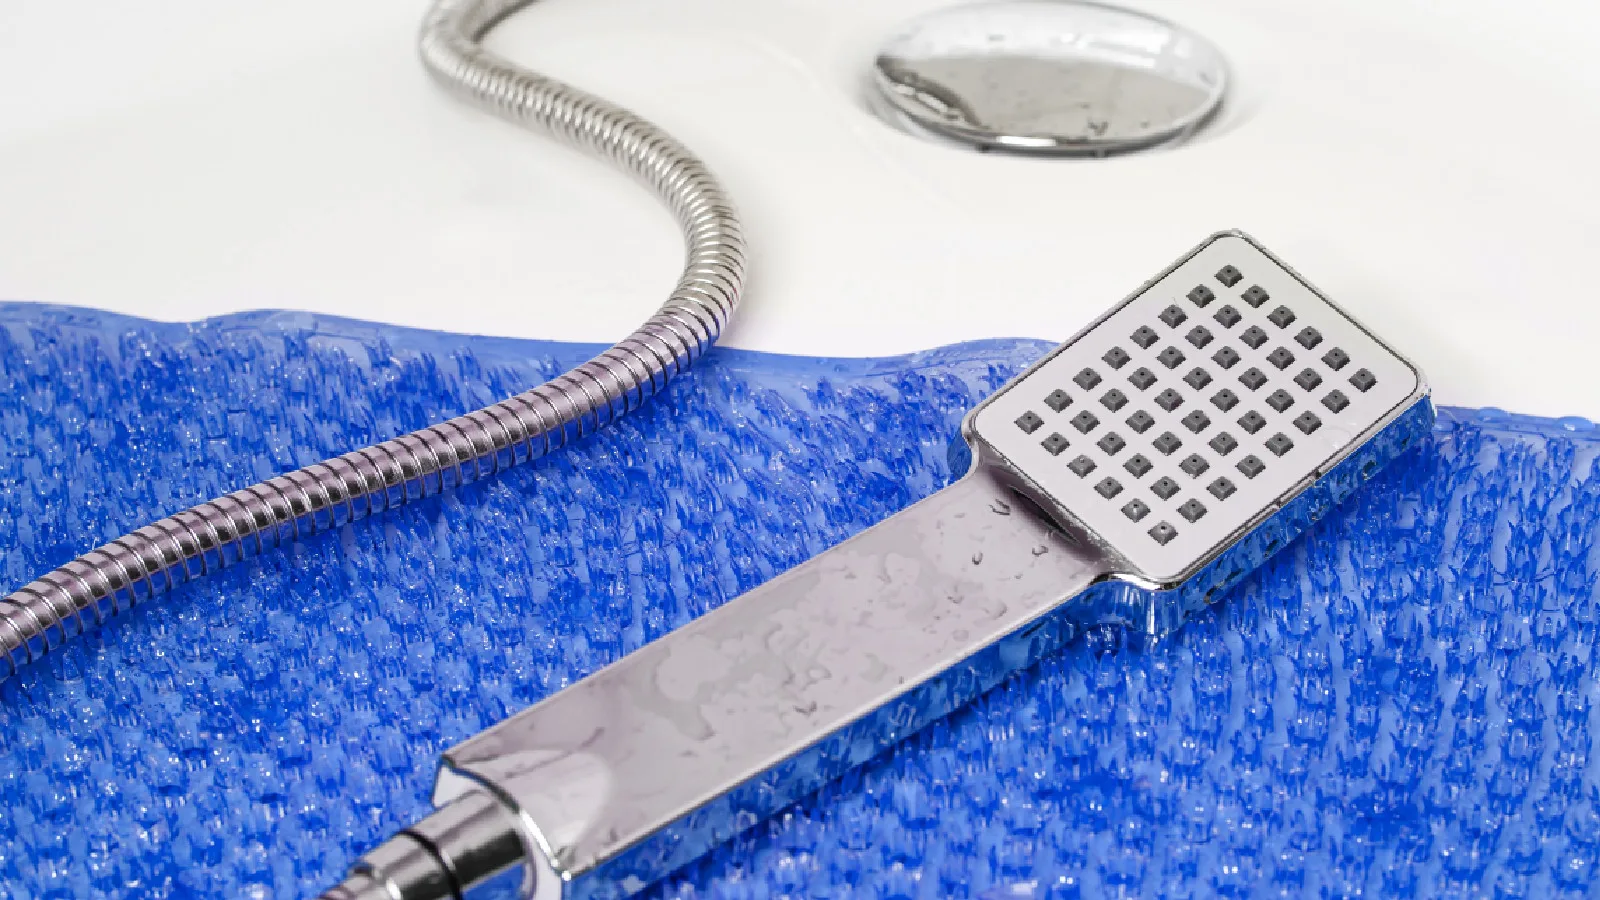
column 1399, row 705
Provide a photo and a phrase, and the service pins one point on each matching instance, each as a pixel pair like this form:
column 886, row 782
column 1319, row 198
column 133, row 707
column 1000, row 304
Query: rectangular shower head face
column 1183, row 419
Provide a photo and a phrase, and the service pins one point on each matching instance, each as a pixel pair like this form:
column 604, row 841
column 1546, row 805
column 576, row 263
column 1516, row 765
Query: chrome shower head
column 1155, row 458
column 1170, row 431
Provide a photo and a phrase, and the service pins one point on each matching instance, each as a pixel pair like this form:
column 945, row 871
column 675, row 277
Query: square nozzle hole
column 1137, row 465
column 1192, row 510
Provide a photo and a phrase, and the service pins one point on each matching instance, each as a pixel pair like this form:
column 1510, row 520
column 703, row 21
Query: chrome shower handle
column 652, row 761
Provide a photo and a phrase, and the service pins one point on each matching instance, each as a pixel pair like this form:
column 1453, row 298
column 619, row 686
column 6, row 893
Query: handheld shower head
column 1131, row 475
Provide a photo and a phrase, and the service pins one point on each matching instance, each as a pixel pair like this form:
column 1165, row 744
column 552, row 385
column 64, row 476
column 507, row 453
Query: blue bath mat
column 1400, row 704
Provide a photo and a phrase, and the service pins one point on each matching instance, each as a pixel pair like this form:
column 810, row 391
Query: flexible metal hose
column 85, row 592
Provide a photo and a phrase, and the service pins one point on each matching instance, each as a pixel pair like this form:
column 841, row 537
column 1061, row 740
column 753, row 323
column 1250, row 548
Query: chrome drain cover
column 1049, row 78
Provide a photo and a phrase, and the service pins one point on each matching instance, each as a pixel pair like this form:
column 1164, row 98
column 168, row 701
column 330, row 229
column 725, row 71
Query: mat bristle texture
column 1400, row 704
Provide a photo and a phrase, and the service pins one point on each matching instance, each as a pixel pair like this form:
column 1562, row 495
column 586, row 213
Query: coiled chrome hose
column 85, row 592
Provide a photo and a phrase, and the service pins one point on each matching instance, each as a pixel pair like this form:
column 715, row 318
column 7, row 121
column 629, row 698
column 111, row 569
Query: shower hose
column 85, row 592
